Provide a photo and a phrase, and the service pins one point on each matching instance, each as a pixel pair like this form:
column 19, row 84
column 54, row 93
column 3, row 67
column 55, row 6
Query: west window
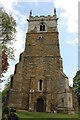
column 42, row 27
column 40, row 85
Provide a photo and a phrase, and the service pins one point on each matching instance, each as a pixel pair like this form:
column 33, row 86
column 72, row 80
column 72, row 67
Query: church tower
column 39, row 83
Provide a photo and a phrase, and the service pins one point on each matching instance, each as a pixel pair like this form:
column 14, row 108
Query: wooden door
column 40, row 105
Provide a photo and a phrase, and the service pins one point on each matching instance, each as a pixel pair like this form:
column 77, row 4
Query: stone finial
column 30, row 12
column 54, row 11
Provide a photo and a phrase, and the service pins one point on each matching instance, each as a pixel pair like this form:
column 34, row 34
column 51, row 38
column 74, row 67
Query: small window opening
column 42, row 27
column 29, row 44
column 62, row 100
column 40, row 85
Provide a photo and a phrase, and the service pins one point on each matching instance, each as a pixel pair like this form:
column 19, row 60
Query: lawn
column 25, row 114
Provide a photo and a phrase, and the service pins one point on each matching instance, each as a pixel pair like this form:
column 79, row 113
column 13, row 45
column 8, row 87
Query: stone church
column 39, row 83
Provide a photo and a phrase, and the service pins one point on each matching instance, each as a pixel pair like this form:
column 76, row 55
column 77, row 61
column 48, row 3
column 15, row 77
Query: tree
column 7, row 87
column 5, row 63
column 8, row 30
column 76, row 86
column 7, row 37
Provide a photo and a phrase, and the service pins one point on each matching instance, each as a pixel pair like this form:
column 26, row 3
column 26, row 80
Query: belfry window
column 42, row 27
column 40, row 85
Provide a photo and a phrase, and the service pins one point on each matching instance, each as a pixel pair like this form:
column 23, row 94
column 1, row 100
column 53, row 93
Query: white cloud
column 70, row 13
column 5, row 4
column 20, row 39
column 68, row 18
column 20, row 19
column 71, row 82
column 19, row 43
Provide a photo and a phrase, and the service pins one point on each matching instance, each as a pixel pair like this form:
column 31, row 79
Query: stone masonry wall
column 41, row 60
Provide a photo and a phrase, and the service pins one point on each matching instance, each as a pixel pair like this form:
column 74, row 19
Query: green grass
column 25, row 114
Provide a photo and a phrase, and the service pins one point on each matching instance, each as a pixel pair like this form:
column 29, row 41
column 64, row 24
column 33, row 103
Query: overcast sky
column 67, row 12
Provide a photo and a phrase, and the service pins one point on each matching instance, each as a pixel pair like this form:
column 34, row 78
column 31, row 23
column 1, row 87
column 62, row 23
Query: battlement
column 42, row 23
column 36, row 18
column 42, row 16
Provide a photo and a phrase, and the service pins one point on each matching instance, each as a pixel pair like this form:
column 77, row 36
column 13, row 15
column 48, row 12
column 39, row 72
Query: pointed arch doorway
column 40, row 105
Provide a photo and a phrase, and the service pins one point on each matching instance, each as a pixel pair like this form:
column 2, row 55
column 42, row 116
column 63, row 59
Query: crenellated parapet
column 42, row 23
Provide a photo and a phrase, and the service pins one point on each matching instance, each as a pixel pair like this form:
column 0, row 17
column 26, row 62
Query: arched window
column 40, row 85
column 42, row 27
